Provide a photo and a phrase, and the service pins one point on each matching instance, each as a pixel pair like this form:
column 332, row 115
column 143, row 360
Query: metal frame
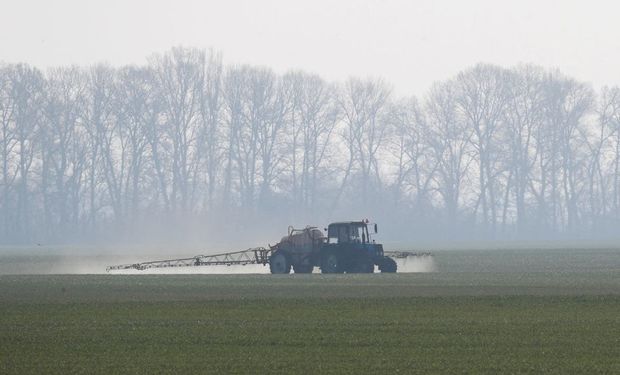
column 256, row 255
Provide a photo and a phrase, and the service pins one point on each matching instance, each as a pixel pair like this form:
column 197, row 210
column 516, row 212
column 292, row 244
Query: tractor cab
column 350, row 232
column 350, row 247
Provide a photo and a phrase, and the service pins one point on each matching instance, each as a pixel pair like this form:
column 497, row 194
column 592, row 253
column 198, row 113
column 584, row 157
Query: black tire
column 388, row 265
column 303, row 268
column 330, row 263
column 279, row 263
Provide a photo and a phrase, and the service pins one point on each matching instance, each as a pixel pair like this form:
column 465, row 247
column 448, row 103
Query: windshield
column 349, row 233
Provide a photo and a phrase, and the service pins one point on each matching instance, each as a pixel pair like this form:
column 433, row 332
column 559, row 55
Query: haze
column 223, row 123
column 408, row 43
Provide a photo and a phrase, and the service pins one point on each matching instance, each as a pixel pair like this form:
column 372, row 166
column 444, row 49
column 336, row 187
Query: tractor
column 348, row 247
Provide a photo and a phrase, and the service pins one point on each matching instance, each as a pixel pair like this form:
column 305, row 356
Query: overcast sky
column 408, row 43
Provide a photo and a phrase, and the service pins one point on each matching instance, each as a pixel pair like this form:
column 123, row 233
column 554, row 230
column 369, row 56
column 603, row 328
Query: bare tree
column 566, row 103
column 311, row 122
column 9, row 145
column 256, row 111
column 63, row 153
column 608, row 140
column 522, row 116
column 26, row 87
column 135, row 112
column 409, row 147
column 98, row 119
column 363, row 105
column 180, row 76
column 481, row 98
column 234, row 84
column 449, row 140
column 211, row 132
column 270, row 92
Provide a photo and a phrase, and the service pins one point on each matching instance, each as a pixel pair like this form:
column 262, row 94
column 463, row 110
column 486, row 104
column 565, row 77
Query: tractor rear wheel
column 303, row 268
column 330, row 263
column 388, row 265
column 279, row 263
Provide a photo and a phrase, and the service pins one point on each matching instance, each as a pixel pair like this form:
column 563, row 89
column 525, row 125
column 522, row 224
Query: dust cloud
column 416, row 264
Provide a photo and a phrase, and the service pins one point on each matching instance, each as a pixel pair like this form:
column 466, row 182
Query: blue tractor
column 348, row 247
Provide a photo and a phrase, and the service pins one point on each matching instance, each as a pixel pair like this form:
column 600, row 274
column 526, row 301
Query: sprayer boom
column 257, row 255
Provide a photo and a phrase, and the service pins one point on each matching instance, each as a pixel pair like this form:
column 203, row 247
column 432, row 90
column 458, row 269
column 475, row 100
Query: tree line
column 186, row 144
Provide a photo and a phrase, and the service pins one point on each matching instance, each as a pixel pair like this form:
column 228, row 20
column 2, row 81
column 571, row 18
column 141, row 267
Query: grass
column 547, row 313
column 444, row 335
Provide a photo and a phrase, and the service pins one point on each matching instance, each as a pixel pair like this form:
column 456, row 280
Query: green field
column 521, row 311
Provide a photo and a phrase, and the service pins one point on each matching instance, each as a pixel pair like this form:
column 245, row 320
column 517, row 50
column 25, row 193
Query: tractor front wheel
column 388, row 265
column 279, row 263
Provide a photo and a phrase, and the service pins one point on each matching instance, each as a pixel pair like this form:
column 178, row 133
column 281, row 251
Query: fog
column 409, row 43
column 188, row 151
column 184, row 151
